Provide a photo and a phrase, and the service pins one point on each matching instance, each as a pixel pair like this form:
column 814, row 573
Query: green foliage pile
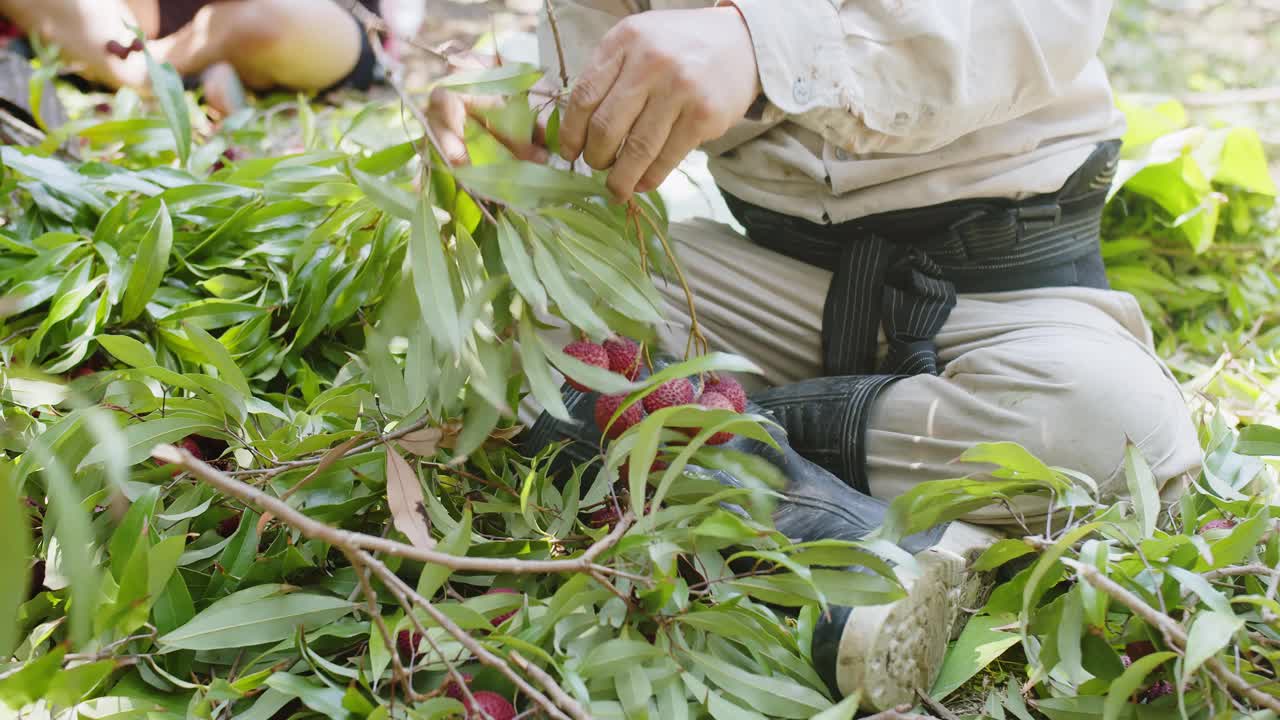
column 350, row 327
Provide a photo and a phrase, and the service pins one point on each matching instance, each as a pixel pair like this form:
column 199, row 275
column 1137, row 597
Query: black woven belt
column 899, row 272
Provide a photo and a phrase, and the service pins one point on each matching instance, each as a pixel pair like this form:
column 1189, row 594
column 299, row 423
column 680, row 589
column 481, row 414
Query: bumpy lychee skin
column 407, row 642
column 716, row 401
column 1219, row 524
column 624, row 356
column 730, row 388
column 489, row 704
column 505, row 616
column 1139, row 649
column 1158, row 689
column 671, row 393
column 589, row 353
column 453, row 690
column 606, row 516
column 607, row 405
column 229, row 525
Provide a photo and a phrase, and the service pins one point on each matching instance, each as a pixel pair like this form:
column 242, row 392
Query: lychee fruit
column 1139, row 649
column 730, row 388
column 407, row 642
column 453, row 690
column 624, row 356
column 716, row 401
column 589, row 353
column 192, row 446
column 671, row 393
column 1158, row 689
column 1219, row 524
column 489, row 705
column 607, row 405
column 507, row 615
column 229, row 525
column 604, row 517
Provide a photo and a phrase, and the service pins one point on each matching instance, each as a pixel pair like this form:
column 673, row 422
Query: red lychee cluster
column 623, row 356
column 482, row 703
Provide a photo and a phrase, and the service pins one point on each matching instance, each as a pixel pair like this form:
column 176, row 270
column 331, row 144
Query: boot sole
column 889, row 651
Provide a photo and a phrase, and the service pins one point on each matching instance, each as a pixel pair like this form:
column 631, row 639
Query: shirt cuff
column 789, row 40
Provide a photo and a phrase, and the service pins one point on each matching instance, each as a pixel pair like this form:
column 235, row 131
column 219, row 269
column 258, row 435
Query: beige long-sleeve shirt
column 879, row 105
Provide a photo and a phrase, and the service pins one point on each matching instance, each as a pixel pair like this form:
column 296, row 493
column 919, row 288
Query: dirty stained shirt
column 880, row 105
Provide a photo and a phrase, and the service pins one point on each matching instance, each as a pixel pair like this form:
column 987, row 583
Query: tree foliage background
column 341, row 327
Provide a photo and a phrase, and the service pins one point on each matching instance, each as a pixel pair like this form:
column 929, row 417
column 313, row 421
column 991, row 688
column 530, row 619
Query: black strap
column 900, row 273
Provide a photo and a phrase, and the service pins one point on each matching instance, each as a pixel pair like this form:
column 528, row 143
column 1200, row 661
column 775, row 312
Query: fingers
column 683, row 139
column 588, row 93
column 647, row 139
column 447, row 114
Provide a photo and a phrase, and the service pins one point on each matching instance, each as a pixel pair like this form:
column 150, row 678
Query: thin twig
column 249, row 495
column 553, row 688
column 1238, row 570
column 1172, row 631
column 483, row 655
column 555, row 33
column 283, row 467
column 935, row 707
column 398, row 672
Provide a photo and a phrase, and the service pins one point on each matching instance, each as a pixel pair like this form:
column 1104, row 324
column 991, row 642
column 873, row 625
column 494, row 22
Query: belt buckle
column 1040, row 216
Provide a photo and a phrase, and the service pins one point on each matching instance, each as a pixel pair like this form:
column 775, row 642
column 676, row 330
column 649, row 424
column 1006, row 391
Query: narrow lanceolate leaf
column 249, row 618
column 167, row 87
column 1128, row 683
column 216, row 354
column 1142, row 489
column 432, row 279
column 1210, row 632
column 149, row 265
column 140, row 438
column 15, row 536
column 404, row 498
column 538, row 371
column 520, row 266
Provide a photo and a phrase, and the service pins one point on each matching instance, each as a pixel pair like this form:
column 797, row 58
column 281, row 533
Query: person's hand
column 659, row 85
column 447, row 114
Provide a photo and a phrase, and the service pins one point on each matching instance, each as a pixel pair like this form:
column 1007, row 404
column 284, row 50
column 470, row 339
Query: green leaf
column 1129, row 682
column 846, row 709
column 31, row 682
column 1143, row 491
column 321, row 698
column 1001, row 553
column 15, row 536
column 1259, row 440
column 70, row 686
column 167, row 87
column 141, row 438
column 538, row 371
column 456, row 543
column 775, row 695
column 127, row 350
column 432, row 279
column 519, row 265
column 506, row 79
column 526, row 185
column 245, row 619
column 1210, row 632
column 979, row 645
column 149, row 265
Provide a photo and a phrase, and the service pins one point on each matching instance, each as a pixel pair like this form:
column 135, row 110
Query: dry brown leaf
column 404, row 498
column 424, row 442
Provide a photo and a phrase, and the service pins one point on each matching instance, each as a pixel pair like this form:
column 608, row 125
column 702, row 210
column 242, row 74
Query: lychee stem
column 697, row 341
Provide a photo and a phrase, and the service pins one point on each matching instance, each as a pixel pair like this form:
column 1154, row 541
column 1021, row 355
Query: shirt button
column 841, row 155
column 800, row 90
column 901, row 119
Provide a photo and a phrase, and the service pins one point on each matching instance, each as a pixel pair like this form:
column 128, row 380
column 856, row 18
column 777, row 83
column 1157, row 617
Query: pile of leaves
column 336, row 340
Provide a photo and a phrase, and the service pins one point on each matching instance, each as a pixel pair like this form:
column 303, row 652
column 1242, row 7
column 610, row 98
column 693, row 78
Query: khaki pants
column 1068, row 373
